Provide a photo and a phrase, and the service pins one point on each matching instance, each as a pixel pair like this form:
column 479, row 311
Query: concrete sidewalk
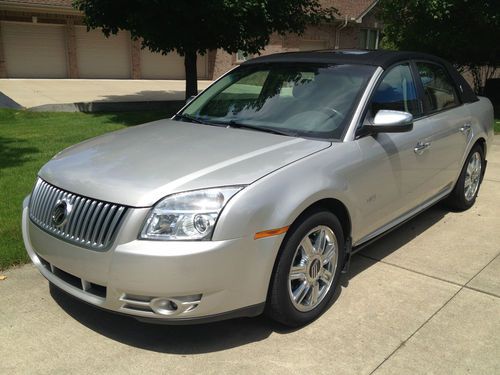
column 423, row 300
column 54, row 93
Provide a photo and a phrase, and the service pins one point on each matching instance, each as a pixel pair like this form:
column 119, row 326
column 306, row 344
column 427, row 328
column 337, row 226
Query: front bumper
column 205, row 280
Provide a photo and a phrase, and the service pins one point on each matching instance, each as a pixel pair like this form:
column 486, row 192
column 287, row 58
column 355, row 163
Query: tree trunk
column 191, row 74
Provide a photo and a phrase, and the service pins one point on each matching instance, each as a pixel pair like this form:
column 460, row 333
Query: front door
column 397, row 167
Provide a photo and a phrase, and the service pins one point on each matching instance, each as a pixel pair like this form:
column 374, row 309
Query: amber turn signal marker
column 271, row 232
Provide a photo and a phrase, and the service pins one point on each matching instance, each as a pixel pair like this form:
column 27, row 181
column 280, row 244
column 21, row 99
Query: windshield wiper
column 238, row 125
column 194, row 119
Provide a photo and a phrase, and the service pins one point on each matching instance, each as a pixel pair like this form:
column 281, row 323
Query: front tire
column 465, row 192
column 307, row 271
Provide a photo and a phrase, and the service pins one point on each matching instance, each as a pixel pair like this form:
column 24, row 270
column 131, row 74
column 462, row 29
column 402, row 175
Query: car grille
column 90, row 223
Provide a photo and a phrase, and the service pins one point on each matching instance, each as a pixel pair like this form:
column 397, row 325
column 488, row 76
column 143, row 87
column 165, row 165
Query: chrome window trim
column 351, row 131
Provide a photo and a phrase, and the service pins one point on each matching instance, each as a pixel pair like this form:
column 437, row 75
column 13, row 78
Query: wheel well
column 336, row 207
column 333, row 205
column 482, row 142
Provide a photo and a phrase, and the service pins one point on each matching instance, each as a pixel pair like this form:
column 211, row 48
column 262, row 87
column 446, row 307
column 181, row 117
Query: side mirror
column 387, row 121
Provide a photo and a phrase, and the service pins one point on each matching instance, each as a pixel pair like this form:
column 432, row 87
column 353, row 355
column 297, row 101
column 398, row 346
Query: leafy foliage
column 465, row 32
column 193, row 27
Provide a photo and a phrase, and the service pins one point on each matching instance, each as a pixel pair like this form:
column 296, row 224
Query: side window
column 396, row 92
column 439, row 90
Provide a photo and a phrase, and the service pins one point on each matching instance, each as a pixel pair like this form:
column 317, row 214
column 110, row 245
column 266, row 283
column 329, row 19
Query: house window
column 242, row 56
column 368, row 38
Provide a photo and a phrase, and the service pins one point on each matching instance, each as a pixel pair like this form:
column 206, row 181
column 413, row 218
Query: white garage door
column 101, row 57
column 171, row 66
column 34, row 51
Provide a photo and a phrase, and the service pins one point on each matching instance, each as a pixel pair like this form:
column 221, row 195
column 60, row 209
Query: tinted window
column 314, row 100
column 396, row 92
column 439, row 90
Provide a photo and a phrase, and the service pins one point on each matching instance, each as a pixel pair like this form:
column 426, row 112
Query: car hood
column 138, row 166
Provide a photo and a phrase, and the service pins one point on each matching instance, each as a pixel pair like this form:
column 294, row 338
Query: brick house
column 47, row 39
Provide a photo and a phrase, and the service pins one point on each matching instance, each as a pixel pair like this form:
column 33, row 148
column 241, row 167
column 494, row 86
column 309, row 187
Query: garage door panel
column 101, row 57
column 34, row 51
column 171, row 66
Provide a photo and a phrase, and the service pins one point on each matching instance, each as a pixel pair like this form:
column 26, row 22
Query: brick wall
column 348, row 38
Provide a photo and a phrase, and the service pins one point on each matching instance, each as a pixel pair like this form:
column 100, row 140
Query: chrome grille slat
column 64, row 229
column 98, row 225
column 106, row 223
column 86, row 221
column 46, row 202
column 90, row 223
column 114, row 223
column 78, row 233
column 77, row 207
column 43, row 195
column 37, row 198
column 58, row 195
column 49, row 201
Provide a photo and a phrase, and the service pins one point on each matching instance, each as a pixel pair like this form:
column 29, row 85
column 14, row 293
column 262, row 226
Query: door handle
column 421, row 147
column 465, row 128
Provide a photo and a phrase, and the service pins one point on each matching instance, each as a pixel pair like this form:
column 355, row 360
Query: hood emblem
column 60, row 213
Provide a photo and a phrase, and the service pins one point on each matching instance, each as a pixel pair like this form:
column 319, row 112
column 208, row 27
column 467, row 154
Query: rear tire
column 307, row 271
column 466, row 189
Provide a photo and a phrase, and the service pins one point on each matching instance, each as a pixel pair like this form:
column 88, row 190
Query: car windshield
column 308, row 100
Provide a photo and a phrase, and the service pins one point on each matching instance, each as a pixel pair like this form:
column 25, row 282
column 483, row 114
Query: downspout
column 337, row 33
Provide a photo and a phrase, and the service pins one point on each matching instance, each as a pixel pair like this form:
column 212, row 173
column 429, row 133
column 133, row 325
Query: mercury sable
column 254, row 196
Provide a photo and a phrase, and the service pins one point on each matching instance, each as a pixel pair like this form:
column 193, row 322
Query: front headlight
column 187, row 216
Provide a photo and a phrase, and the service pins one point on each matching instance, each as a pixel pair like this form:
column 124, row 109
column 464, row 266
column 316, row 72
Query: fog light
column 164, row 306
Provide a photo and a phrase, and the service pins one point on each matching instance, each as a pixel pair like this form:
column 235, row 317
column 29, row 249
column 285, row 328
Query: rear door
column 450, row 121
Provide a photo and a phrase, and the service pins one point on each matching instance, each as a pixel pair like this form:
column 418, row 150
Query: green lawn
column 27, row 141
column 497, row 126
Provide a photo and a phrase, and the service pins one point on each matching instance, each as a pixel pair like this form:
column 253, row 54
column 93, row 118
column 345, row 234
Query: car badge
column 60, row 213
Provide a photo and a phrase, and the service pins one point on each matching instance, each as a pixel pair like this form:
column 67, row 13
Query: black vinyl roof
column 382, row 58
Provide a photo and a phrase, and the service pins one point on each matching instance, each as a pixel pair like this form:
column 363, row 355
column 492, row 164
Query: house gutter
column 337, row 33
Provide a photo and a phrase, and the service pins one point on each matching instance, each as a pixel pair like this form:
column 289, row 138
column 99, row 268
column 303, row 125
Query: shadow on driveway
column 184, row 339
column 223, row 335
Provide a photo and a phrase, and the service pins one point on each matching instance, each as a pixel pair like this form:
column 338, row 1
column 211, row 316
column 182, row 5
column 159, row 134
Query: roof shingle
column 349, row 8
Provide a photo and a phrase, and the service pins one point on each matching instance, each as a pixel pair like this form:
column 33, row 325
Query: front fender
column 277, row 200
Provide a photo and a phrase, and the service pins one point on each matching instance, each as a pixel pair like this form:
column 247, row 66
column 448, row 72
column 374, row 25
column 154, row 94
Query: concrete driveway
column 423, row 300
column 61, row 94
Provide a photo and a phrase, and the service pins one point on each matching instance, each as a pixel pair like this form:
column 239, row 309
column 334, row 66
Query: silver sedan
column 255, row 195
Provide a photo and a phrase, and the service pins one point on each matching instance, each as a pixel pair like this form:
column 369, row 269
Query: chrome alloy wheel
column 313, row 268
column 472, row 176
